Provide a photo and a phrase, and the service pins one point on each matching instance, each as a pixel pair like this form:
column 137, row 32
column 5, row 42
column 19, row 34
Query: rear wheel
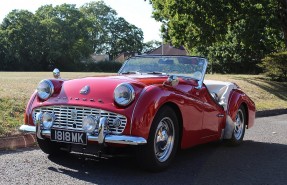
column 239, row 127
column 162, row 143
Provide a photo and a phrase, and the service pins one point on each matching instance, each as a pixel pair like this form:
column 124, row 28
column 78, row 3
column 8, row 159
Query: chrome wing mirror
column 172, row 80
column 56, row 73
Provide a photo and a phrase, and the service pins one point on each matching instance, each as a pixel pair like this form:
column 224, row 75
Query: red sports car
column 155, row 105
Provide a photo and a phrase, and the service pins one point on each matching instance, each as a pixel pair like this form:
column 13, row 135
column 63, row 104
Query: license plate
column 67, row 136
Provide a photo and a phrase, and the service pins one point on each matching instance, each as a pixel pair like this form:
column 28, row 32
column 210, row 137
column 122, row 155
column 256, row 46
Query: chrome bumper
column 101, row 138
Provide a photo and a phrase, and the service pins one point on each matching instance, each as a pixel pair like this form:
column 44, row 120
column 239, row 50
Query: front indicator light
column 90, row 123
column 48, row 120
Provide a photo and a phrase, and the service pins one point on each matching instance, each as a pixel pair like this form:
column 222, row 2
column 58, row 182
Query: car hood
column 104, row 86
column 101, row 89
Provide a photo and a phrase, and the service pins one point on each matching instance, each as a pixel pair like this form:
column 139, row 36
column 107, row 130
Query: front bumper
column 101, row 138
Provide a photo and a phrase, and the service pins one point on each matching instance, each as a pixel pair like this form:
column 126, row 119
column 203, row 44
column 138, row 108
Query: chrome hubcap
column 239, row 125
column 164, row 139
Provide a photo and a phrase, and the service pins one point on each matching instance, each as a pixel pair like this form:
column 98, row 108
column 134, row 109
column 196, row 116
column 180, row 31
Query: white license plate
column 67, row 136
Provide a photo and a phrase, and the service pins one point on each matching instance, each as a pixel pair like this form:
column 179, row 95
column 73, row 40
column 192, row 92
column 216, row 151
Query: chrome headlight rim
column 131, row 93
column 49, row 93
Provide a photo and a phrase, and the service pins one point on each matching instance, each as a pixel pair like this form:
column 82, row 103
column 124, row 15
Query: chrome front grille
column 65, row 119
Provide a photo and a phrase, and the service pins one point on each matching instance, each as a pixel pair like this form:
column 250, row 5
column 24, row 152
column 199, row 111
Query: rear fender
column 236, row 99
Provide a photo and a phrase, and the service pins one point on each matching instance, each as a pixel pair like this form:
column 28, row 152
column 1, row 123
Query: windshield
column 192, row 67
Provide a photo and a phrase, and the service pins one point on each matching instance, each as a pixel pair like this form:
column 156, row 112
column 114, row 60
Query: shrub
column 275, row 66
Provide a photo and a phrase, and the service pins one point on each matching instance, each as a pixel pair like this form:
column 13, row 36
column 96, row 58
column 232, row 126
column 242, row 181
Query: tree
column 111, row 34
column 19, row 41
column 124, row 37
column 3, row 52
column 100, row 16
column 63, row 36
column 229, row 32
column 150, row 46
column 282, row 15
column 65, row 40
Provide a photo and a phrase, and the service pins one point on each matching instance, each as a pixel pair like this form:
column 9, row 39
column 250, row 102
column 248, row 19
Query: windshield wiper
column 130, row 72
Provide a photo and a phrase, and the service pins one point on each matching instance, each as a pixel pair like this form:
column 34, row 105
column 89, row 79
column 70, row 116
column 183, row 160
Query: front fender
column 28, row 116
column 149, row 102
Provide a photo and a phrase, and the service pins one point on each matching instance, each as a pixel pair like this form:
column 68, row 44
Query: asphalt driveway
column 261, row 159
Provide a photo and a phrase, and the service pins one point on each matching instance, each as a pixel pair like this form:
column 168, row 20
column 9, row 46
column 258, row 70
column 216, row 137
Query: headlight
column 48, row 120
column 90, row 123
column 45, row 89
column 124, row 94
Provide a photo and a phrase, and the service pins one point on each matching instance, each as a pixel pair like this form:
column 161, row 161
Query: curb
column 18, row 141
column 267, row 113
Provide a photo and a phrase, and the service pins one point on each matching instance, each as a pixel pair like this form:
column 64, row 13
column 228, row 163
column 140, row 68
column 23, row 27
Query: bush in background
column 275, row 66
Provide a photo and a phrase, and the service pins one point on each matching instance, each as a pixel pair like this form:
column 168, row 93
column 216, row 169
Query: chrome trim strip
column 130, row 140
column 27, row 128
column 118, row 139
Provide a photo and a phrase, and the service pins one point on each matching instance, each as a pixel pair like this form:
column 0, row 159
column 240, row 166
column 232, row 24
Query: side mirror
column 172, row 80
column 56, row 73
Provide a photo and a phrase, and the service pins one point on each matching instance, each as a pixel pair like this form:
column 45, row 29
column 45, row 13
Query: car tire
column 162, row 143
column 239, row 127
column 49, row 147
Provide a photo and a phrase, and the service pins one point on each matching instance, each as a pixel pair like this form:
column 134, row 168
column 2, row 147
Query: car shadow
column 250, row 163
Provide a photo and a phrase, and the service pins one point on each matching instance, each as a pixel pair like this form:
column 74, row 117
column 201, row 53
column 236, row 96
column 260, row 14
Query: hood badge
column 85, row 90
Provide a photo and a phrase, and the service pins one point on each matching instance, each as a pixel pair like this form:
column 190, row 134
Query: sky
column 137, row 12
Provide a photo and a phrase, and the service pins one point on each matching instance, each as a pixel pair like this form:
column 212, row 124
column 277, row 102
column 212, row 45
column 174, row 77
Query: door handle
column 220, row 115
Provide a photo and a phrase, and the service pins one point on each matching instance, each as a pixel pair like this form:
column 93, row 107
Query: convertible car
column 154, row 105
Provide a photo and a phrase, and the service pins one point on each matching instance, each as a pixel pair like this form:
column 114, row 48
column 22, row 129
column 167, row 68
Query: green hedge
column 275, row 66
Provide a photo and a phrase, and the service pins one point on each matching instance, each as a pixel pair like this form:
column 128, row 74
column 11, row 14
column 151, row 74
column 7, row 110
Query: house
column 99, row 58
column 167, row 49
column 124, row 56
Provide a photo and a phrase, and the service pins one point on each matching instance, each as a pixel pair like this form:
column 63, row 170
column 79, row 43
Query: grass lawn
column 17, row 87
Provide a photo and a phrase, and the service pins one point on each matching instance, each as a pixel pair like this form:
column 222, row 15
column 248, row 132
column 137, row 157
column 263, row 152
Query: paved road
column 262, row 159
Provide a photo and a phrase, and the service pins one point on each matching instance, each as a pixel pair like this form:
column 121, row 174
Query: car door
column 213, row 115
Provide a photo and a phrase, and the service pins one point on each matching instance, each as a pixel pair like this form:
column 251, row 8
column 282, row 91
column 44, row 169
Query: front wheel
column 239, row 127
column 162, row 143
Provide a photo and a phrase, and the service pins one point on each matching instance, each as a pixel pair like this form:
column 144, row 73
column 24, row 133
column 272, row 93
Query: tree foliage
column 234, row 35
column 18, row 39
column 63, row 36
column 64, row 39
column 111, row 34
column 150, row 46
